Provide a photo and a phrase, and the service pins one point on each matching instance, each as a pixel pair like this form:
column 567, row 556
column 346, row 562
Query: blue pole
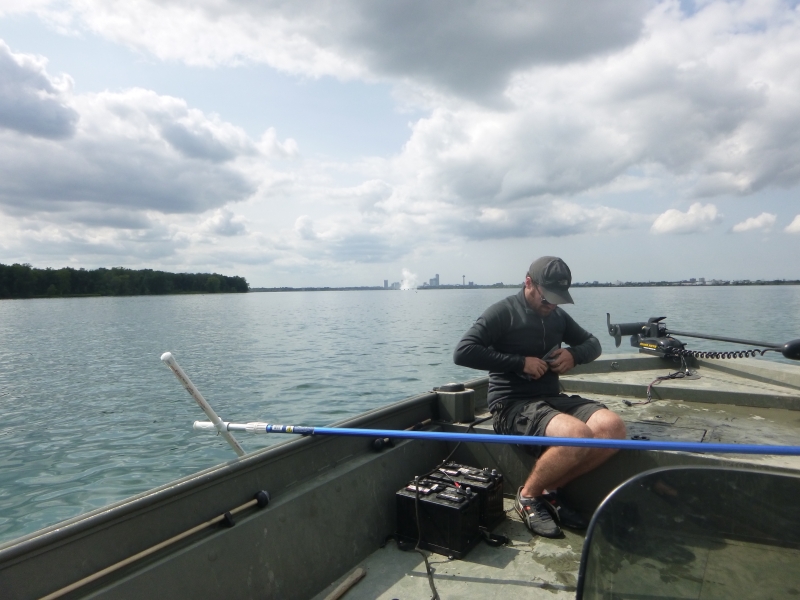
column 524, row 440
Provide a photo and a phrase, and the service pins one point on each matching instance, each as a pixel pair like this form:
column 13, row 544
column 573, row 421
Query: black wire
column 419, row 541
column 416, row 504
column 682, row 353
column 428, row 567
column 684, row 372
column 453, row 451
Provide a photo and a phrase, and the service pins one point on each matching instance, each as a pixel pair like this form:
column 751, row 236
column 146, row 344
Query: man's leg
column 552, row 466
column 558, row 465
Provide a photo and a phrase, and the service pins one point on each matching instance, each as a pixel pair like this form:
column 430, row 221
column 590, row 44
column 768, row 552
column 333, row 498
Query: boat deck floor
column 701, row 422
column 678, row 411
column 741, row 410
column 528, row 567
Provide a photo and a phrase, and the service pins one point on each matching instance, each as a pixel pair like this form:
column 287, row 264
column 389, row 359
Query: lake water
column 90, row 415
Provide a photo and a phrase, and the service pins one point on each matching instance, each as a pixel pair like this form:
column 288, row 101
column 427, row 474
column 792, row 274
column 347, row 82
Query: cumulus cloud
column 32, row 101
column 533, row 111
column 714, row 114
column 196, row 144
column 591, row 95
column 224, row 222
column 470, row 49
column 270, row 146
column 340, row 231
column 794, row 226
column 762, row 222
column 547, row 219
column 361, row 248
column 344, row 235
column 56, row 244
column 698, row 219
column 304, row 227
column 119, row 177
column 132, row 150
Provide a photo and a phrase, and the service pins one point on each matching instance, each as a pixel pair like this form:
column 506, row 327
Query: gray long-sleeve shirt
column 509, row 331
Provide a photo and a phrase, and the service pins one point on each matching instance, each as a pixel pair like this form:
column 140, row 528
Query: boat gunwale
column 52, row 536
column 174, row 490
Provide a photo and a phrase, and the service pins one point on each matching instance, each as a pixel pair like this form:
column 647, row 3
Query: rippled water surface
column 90, row 415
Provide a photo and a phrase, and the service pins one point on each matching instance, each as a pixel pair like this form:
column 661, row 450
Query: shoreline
column 627, row 284
column 738, row 283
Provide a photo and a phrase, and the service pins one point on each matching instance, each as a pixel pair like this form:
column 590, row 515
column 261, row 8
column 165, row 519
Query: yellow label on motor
column 651, row 346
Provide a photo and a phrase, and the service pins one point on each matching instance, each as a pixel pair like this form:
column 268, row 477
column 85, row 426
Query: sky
column 315, row 143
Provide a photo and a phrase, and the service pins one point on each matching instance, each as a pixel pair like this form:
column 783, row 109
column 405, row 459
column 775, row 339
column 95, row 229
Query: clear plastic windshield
column 695, row 532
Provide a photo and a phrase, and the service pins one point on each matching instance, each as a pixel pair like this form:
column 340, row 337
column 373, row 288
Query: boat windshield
column 695, row 532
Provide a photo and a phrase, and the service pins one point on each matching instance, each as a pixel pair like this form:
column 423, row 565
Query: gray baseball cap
column 553, row 277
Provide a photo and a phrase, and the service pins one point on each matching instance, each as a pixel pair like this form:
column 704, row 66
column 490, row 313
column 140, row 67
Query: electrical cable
column 682, row 352
column 684, row 372
column 428, row 567
column 453, row 451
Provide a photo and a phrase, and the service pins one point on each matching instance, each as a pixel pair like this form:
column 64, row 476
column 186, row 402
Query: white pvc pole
column 254, row 427
column 198, row 397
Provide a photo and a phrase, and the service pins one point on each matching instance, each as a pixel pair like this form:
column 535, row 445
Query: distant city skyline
column 686, row 282
column 436, row 282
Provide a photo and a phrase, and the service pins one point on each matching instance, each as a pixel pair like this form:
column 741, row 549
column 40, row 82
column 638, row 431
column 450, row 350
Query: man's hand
column 535, row 367
column 562, row 361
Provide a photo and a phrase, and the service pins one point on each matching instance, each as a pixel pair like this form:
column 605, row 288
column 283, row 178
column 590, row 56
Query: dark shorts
column 532, row 418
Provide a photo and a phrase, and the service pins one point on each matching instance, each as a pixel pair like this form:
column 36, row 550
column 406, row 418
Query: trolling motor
column 653, row 337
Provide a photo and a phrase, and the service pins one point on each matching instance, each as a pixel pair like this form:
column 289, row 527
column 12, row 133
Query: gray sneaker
column 536, row 514
column 567, row 517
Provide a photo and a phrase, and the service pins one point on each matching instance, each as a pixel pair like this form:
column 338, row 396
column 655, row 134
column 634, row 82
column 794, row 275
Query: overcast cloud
column 540, row 121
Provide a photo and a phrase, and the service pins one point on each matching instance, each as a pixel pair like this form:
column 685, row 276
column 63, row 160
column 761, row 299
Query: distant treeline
column 23, row 281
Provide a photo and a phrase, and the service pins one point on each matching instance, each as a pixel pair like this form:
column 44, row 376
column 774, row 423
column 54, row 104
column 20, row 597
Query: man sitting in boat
column 518, row 340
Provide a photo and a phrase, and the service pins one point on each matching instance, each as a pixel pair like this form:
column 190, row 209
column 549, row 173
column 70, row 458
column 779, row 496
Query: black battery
column 448, row 518
column 486, row 483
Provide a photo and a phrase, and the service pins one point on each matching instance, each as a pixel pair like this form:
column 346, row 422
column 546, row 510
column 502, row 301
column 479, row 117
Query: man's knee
column 607, row 424
column 566, row 426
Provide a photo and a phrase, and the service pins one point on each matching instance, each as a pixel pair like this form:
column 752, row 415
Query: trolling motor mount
column 653, row 337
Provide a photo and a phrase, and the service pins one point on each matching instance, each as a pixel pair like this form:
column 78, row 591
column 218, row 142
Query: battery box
column 486, row 483
column 448, row 517
column 454, row 501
